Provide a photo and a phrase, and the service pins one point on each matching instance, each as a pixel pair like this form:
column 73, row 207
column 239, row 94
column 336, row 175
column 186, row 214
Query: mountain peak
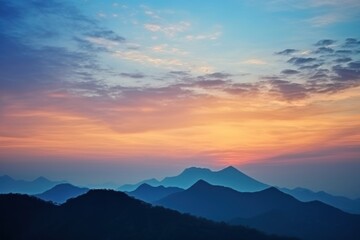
column 146, row 186
column 230, row 169
column 6, row 178
column 64, row 186
column 196, row 170
column 41, row 179
column 272, row 190
column 201, row 184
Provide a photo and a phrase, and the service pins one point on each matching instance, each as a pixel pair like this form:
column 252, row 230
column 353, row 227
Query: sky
column 99, row 92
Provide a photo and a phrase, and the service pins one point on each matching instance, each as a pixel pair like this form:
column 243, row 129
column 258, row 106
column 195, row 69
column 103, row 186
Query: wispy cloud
column 211, row 36
column 143, row 58
column 166, row 48
column 325, row 20
column 169, row 30
column 255, row 61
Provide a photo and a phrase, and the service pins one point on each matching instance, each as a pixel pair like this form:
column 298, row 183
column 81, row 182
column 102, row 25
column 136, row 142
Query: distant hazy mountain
column 151, row 194
column 229, row 177
column 255, row 209
column 343, row 203
column 105, row 214
column 10, row 185
column 131, row 187
column 61, row 193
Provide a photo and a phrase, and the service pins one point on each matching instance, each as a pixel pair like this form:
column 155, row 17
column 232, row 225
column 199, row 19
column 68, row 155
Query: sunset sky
column 119, row 91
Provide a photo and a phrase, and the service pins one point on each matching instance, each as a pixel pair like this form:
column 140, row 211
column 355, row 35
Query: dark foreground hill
column 105, row 214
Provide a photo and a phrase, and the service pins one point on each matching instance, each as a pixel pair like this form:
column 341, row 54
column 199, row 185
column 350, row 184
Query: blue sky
column 164, row 85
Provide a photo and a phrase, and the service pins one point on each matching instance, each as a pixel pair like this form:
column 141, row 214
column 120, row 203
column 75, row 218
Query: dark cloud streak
column 287, row 51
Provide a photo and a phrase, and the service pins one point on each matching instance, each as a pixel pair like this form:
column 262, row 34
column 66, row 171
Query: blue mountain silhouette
column 229, row 177
column 61, row 193
column 106, row 214
column 343, row 203
column 10, row 185
column 151, row 194
column 131, row 187
column 262, row 209
column 224, row 204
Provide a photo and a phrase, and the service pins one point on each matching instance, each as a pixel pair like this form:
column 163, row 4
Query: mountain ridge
column 40, row 184
column 229, row 176
column 150, row 194
column 62, row 192
column 254, row 209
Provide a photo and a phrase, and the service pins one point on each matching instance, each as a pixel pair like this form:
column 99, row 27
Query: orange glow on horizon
column 231, row 131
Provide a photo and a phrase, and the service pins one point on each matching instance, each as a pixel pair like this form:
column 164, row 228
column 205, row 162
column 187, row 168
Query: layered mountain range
column 228, row 196
column 106, row 214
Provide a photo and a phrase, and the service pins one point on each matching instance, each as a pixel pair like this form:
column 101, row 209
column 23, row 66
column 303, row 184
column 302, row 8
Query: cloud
column 133, row 75
column 301, row 60
column 335, row 70
column 351, row 43
column 289, row 71
column 287, row 51
column 326, row 19
column 343, row 60
column 355, row 65
column 345, row 52
column 255, row 61
column 143, row 58
column 351, row 72
column 220, row 75
column 99, row 41
column 241, row 89
column 324, row 50
column 165, row 48
column 180, row 73
column 310, row 67
column 168, row 30
column 288, row 90
column 211, row 36
column 106, row 34
column 209, row 83
column 325, row 42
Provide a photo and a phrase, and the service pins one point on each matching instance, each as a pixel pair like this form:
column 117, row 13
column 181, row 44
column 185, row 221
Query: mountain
column 312, row 221
column 10, row 185
column 223, row 203
column 343, row 203
column 265, row 210
column 229, row 177
column 131, row 187
column 151, row 194
column 106, row 214
column 61, row 193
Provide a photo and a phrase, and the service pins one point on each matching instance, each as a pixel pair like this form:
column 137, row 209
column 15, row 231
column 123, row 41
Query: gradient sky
column 118, row 91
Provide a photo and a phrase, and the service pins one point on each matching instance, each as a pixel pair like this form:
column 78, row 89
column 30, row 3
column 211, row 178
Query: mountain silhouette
column 343, row 203
column 131, row 187
column 61, row 193
column 106, row 214
column 312, row 221
column 229, row 177
column 262, row 209
column 41, row 184
column 223, row 204
column 151, row 194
